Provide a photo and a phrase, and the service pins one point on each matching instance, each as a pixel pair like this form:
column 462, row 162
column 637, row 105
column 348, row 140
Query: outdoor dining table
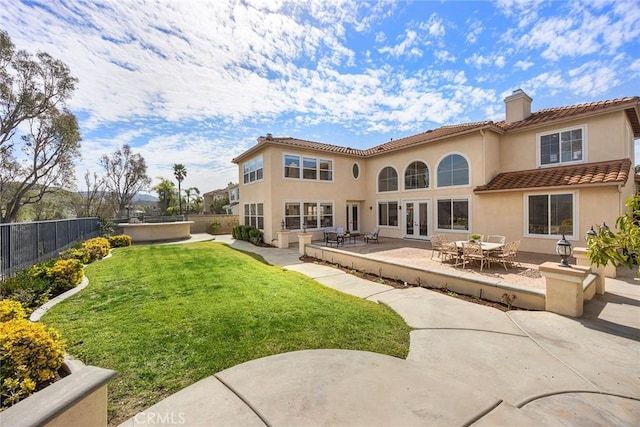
column 486, row 246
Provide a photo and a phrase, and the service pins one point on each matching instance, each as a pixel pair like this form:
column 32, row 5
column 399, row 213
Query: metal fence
column 23, row 244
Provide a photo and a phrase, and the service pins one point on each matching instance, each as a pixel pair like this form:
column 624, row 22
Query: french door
column 353, row 217
column 416, row 219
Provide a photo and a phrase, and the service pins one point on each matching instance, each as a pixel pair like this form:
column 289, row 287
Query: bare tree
column 126, row 175
column 33, row 93
column 93, row 200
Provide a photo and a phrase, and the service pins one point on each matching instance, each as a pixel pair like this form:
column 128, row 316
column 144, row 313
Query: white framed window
column 453, row 214
column 453, row 170
column 316, row 215
column 388, row 213
column 355, row 171
column 387, row 179
column 562, row 146
column 416, row 176
column 550, row 215
column 254, row 215
column 307, row 168
column 253, row 170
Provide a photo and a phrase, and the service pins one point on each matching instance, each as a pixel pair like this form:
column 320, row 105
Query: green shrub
column 81, row 253
column 120, row 241
column 65, row 274
column 248, row 233
column 98, row 248
column 30, row 355
column 30, row 289
column 213, row 227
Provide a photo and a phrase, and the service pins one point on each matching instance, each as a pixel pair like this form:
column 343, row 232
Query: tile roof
column 600, row 173
column 629, row 104
column 428, row 136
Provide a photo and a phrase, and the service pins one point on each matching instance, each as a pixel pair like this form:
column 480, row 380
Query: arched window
column 453, row 170
column 388, row 179
column 416, row 176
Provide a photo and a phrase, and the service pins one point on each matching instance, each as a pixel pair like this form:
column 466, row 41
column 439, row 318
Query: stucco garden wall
column 201, row 223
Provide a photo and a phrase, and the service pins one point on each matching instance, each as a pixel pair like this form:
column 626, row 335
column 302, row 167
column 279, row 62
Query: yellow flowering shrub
column 120, row 240
column 98, row 248
column 30, row 356
column 10, row 310
column 82, row 254
column 65, row 274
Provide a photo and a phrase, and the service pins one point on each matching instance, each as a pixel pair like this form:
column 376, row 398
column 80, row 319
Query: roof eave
column 489, row 126
column 551, row 187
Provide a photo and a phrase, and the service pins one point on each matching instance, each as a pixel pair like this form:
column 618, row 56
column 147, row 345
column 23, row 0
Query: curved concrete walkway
column 468, row 365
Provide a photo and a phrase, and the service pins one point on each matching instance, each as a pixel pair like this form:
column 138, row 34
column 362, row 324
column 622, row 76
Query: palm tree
column 180, row 172
column 166, row 193
column 188, row 192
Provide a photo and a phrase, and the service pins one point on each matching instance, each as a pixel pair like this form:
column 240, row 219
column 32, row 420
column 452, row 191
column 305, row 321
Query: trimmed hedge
column 30, row 354
column 248, row 233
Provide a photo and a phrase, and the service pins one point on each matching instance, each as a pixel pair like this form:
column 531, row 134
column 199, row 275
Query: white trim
column 256, row 215
column 261, row 156
column 404, row 171
column 452, row 230
column 301, row 203
column 378, row 201
column 359, row 170
column 444, row 156
column 378, row 179
column 585, row 139
column 417, row 201
column 301, row 158
column 575, row 216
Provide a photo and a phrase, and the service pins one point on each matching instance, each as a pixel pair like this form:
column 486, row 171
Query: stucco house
column 533, row 176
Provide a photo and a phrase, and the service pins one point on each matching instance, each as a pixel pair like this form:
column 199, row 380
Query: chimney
column 517, row 106
column 269, row 137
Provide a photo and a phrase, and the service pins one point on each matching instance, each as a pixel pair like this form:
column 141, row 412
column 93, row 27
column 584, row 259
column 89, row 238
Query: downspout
column 484, row 157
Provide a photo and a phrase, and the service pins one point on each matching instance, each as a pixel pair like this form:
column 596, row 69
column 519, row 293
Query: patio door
column 416, row 219
column 353, row 217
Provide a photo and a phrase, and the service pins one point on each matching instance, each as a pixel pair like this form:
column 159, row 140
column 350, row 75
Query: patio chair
column 503, row 256
column 451, row 252
column 333, row 238
column 340, row 231
column 437, row 241
column 373, row 236
column 473, row 252
column 496, row 238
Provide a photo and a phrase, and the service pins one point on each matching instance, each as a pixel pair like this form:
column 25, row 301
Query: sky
column 197, row 82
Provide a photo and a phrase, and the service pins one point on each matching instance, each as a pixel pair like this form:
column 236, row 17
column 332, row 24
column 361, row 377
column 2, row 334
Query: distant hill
column 145, row 198
column 139, row 198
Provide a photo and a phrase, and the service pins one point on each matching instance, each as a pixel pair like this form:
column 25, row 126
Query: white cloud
column 523, row 65
column 442, row 56
column 478, row 61
column 475, row 29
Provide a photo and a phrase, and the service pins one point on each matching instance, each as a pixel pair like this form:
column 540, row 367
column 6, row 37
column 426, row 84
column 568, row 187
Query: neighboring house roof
column 613, row 172
column 631, row 106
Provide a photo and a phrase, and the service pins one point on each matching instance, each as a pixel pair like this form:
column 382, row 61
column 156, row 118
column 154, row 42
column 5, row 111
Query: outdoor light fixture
column 282, row 225
column 563, row 248
column 304, row 226
column 591, row 233
column 605, row 226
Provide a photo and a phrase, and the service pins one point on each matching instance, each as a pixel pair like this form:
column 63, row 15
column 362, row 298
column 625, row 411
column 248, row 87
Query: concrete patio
column 468, row 365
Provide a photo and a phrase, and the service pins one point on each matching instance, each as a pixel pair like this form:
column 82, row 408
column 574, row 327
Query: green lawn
column 167, row 316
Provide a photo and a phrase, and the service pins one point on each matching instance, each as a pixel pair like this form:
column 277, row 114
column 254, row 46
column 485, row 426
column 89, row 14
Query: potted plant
column 475, row 238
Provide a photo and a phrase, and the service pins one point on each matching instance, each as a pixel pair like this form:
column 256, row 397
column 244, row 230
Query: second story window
column 308, row 168
column 388, row 180
column 416, row 176
column 453, row 170
column 565, row 146
column 252, row 170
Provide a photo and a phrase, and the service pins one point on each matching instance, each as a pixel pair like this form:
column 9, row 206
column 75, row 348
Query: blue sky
column 196, row 82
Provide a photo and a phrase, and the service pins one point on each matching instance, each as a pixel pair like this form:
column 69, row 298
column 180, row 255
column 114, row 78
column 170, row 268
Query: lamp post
column 563, row 248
